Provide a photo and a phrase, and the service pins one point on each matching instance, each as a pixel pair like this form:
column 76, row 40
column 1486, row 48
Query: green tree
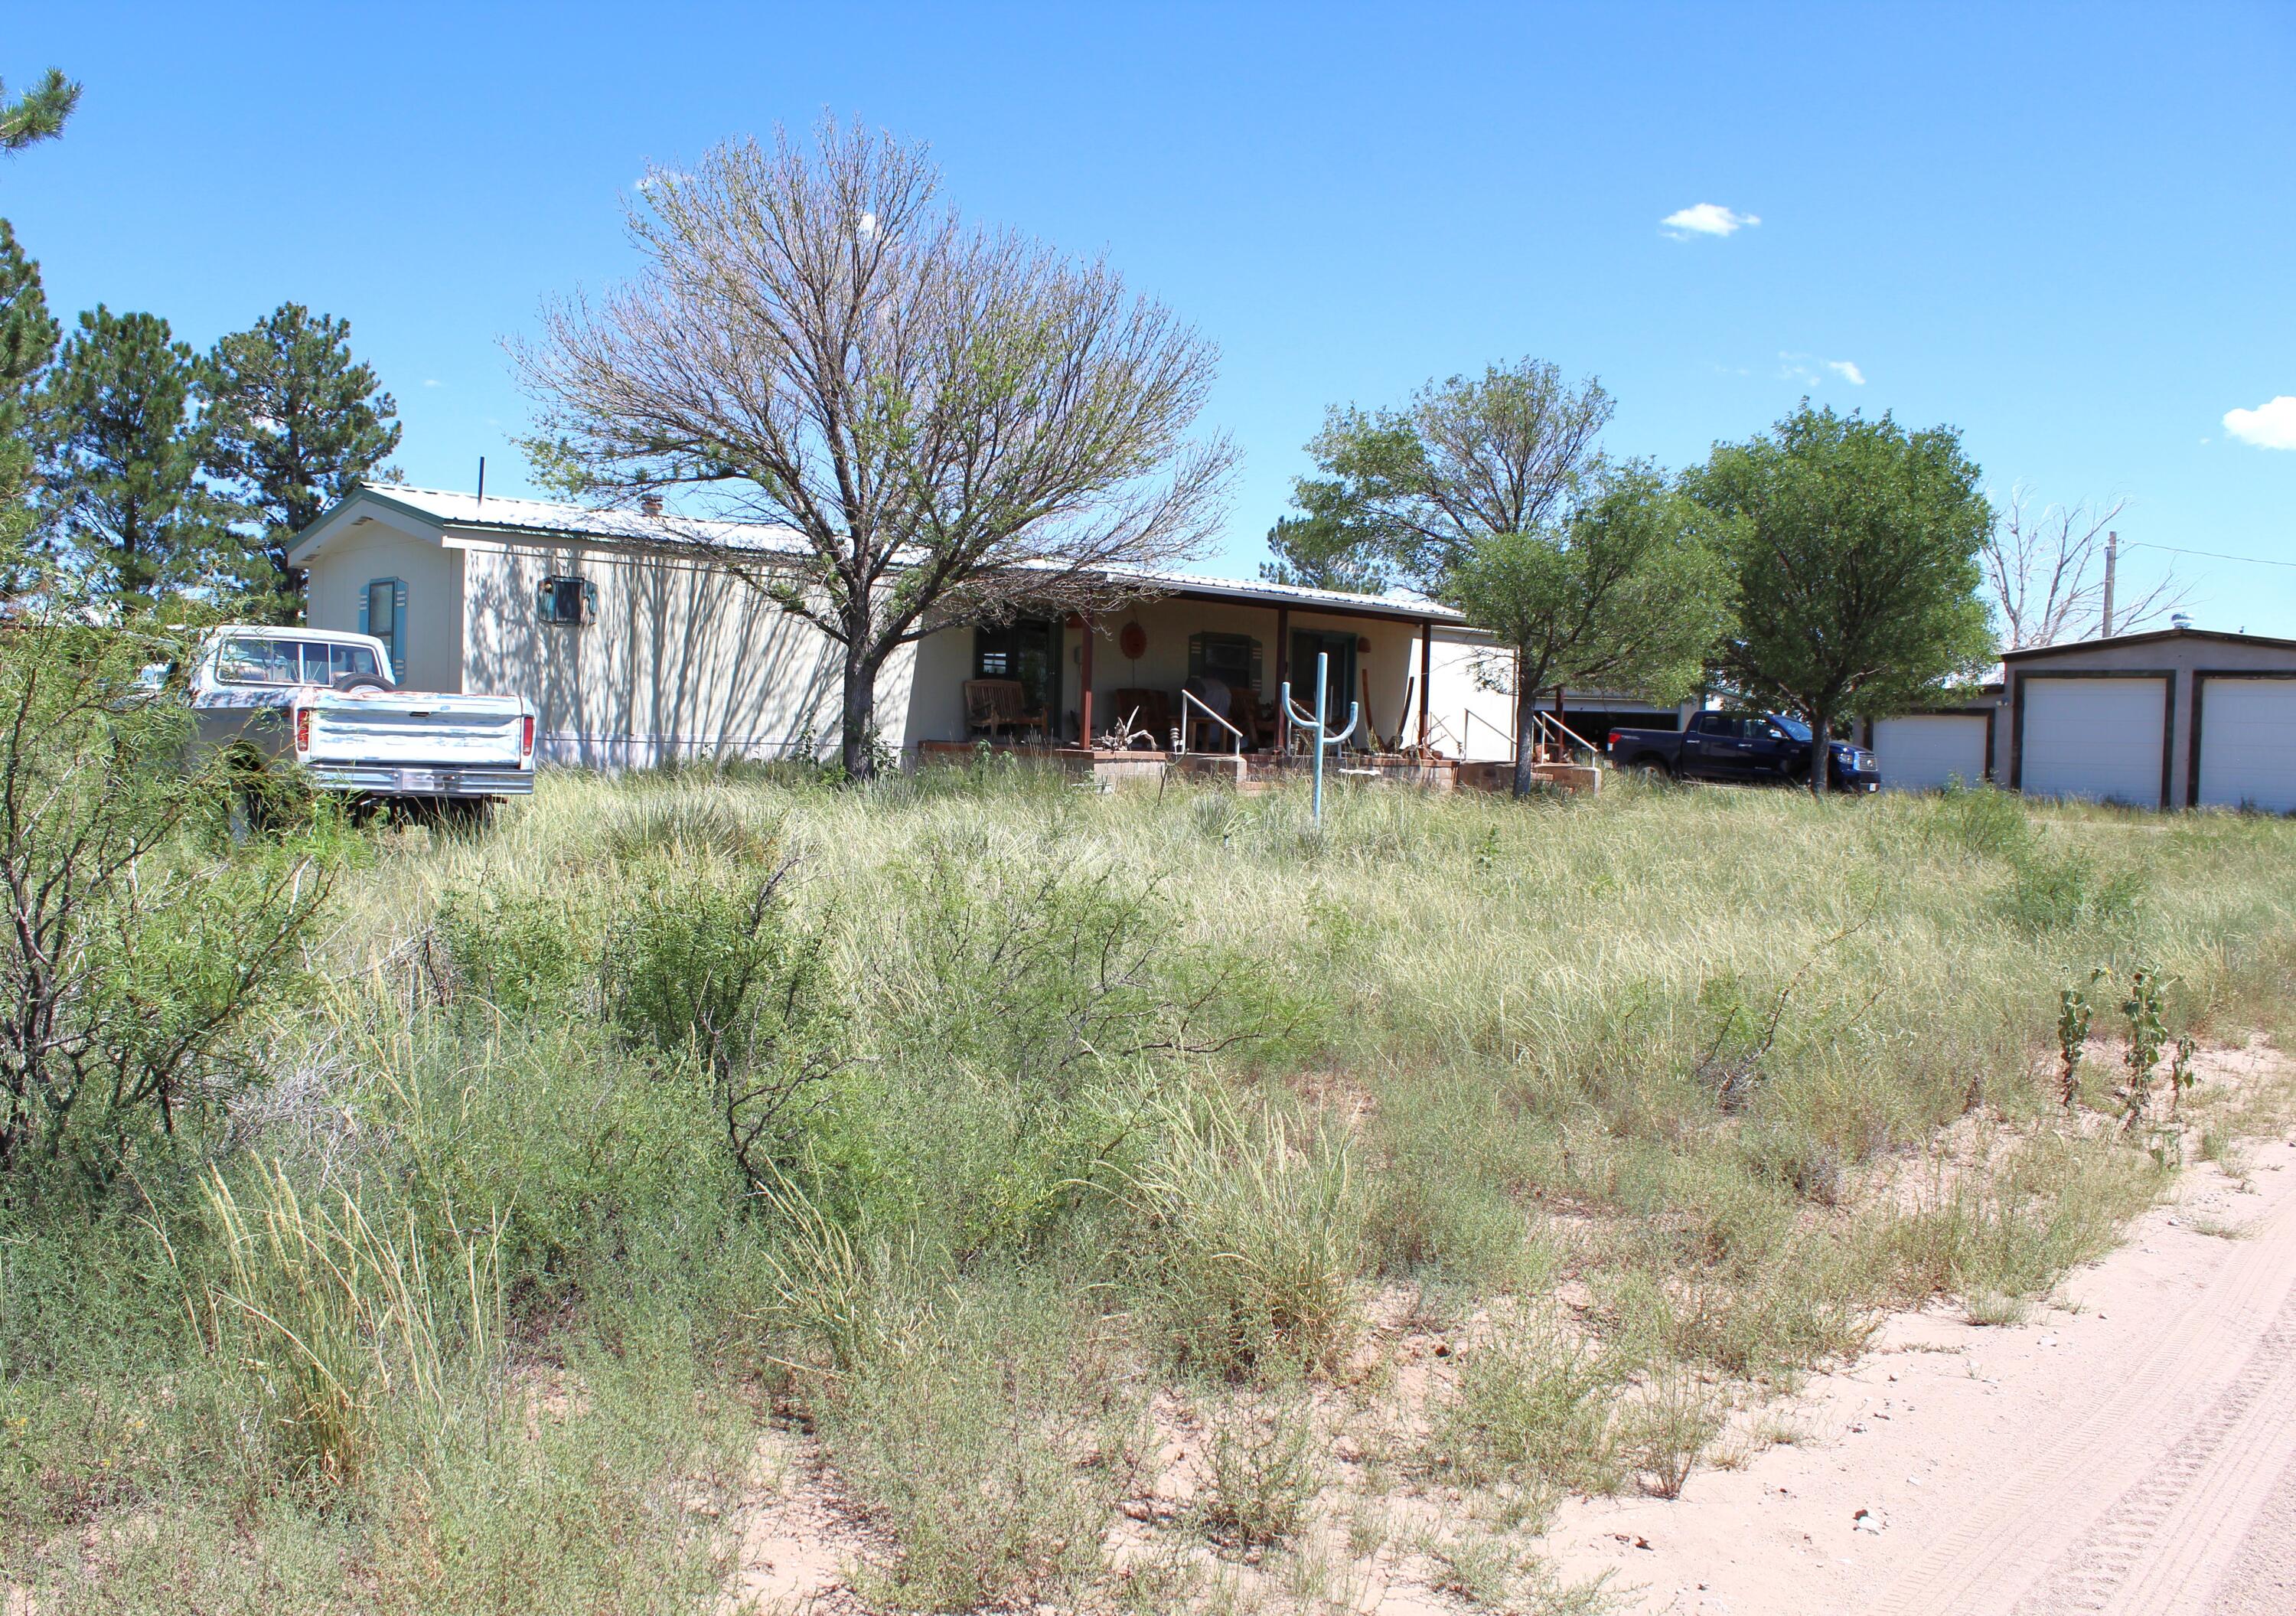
column 28, row 342
column 1855, row 550
column 293, row 421
column 121, row 450
column 1325, row 546
column 39, row 113
column 1487, row 493
column 1630, row 593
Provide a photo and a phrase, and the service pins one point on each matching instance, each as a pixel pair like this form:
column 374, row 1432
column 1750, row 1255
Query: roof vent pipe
column 651, row 503
column 2180, row 620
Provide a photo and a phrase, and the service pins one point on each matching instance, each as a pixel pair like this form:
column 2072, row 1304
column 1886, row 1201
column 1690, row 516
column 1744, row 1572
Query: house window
column 570, row 601
column 1026, row 650
column 1232, row 659
column 383, row 615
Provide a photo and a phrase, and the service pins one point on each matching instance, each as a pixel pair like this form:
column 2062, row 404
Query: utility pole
column 2111, row 555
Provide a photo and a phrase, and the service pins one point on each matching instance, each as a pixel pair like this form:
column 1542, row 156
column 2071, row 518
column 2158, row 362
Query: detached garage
column 2180, row 717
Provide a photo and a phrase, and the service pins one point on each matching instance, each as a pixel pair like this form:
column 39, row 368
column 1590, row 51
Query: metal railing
column 1187, row 700
column 1468, row 738
column 1548, row 724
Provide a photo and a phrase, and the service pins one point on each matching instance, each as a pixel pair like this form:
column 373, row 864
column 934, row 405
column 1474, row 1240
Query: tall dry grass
column 1079, row 1094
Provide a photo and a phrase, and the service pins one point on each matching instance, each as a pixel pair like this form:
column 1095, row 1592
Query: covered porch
column 1189, row 682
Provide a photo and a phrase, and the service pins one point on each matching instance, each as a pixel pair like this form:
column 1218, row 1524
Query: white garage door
column 2248, row 744
column 2094, row 738
column 1924, row 751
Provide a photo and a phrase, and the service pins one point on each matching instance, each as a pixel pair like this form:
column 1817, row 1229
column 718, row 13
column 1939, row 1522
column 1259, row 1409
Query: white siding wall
column 430, row 643
column 1467, row 712
column 679, row 662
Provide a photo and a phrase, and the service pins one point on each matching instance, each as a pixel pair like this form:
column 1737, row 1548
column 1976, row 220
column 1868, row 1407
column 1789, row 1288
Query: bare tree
column 2045, row 570
column 956, row 424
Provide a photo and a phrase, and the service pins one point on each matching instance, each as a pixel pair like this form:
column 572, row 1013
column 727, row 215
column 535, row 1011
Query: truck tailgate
column 457, row 731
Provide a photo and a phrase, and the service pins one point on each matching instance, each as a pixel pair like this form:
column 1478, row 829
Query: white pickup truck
column 326, row 700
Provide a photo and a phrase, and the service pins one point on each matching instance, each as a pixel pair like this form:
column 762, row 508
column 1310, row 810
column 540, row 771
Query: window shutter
column 1195, row 656
column 1255, row 666
column 589, row 600
column 542, row 600
column 398, row 627
column 362, row 628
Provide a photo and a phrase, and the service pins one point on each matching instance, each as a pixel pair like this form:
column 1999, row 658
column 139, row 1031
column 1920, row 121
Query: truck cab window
column 253, row 661
column 349, row 659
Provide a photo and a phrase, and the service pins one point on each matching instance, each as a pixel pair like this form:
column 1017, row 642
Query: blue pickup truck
column 1751, row 746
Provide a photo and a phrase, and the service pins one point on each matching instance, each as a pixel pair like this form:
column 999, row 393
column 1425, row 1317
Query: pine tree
column 120, row 451
column 293, row 422
column 28, row 340
column 38, row 114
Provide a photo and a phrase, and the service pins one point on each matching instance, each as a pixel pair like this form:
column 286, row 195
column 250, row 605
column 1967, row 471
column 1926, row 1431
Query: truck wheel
column 1651, row 769
column 360, row 681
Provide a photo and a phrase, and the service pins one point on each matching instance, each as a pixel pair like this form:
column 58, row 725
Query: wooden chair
column 991, row 705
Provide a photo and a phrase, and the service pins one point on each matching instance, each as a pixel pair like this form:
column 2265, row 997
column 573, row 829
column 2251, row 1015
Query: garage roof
column 2154, row 637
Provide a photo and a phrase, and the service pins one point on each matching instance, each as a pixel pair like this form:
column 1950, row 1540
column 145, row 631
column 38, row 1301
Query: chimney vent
column 651, row 503
column 2180, row 620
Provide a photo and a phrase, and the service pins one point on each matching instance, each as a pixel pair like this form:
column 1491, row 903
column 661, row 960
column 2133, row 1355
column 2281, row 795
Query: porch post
column 1426, row 667
column 1084, row 699
column 1282, row 673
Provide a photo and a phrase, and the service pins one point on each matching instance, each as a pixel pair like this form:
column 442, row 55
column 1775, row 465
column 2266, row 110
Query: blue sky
column 2069, row 231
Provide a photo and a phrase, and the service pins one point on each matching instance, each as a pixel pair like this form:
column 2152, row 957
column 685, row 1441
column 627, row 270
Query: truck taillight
column 302, row 729
column 526, row 739
column 1613, row 742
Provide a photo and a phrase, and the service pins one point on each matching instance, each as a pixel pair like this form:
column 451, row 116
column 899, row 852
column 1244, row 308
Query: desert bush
column 1999, row 1233
column 718, row 969
column 1535, row 1404
column 131, row 957
column 1263, row 1474
column 2060, row 891
column 1668, row 1427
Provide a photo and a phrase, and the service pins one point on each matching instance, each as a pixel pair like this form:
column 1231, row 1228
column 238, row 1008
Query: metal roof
column 2151, row 637
column 541, row 519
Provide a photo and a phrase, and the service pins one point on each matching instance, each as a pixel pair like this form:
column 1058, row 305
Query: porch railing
column 1187, row 700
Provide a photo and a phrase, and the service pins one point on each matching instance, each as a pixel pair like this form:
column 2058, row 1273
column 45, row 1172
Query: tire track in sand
column 2154, row 1481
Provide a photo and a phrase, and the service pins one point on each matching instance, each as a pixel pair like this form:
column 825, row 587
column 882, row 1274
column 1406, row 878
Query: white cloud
column 2271, row 425
column 1811, row 371
column 1707, row 218
column 432, row 381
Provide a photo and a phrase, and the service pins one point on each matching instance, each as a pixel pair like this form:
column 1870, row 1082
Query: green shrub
column 133, row 960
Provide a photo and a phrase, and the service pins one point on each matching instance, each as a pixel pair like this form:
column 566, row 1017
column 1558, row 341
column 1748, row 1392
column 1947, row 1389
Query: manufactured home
column 638, row 648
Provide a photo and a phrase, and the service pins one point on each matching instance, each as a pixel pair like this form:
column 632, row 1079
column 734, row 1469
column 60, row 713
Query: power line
column 2214, row 555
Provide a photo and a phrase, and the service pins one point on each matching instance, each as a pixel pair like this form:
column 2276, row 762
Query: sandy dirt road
column 2134, row 1452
